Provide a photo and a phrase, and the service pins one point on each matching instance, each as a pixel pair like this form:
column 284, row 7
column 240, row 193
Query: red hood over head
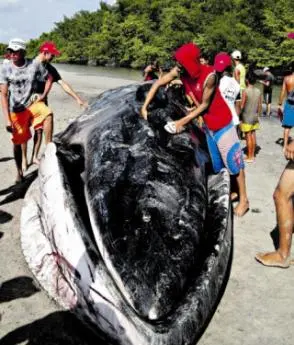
column 188, row 56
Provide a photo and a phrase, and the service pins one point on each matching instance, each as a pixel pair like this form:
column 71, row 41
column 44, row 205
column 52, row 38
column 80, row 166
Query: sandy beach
column 256, row 308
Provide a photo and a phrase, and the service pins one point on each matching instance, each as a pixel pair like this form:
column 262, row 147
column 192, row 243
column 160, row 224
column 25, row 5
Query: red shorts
column 34, row 116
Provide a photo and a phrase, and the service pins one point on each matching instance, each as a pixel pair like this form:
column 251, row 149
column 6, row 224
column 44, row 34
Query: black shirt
column 40, row 85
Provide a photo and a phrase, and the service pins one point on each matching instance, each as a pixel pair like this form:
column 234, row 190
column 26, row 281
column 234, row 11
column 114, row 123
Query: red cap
column 188, row 56
column 222, row 61
column 49, row 47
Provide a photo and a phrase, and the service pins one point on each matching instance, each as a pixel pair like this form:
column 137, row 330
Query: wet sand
column 256, row 307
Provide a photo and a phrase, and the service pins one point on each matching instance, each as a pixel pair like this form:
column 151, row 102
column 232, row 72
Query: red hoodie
column 218, row 114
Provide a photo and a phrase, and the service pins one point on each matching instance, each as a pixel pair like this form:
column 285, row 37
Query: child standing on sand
column 251, row 107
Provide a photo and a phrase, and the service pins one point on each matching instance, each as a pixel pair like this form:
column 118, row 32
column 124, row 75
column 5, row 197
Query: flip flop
column 272, row 263
column 170, row 127
column 249, row 160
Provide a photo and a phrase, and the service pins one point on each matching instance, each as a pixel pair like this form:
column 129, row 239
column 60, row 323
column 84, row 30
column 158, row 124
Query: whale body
column 125, row 225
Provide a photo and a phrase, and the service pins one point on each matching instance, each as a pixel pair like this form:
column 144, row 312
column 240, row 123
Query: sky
column 28, row 19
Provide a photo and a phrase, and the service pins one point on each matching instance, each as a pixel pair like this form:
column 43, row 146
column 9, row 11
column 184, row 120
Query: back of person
column 270, row 79
column 250, row 112
column 240, row 67
column 230, row 89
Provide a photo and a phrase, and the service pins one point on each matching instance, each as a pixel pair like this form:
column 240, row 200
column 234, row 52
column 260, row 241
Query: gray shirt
column 21, row 82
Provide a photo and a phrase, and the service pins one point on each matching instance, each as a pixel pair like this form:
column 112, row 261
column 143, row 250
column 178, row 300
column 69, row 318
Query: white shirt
column 229, row 89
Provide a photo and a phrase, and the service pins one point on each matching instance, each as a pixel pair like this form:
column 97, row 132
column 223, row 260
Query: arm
column 47, row 88
column 243, row 101
column 4, row 103
column 237, row 75
column 206, row 100
column 67, row 88
column 283, row 93
column 174, row 73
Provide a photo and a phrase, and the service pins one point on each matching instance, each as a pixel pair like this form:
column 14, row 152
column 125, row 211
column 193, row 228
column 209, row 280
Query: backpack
column 290, row 97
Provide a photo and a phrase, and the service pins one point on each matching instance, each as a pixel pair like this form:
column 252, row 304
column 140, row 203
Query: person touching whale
column 201, row 84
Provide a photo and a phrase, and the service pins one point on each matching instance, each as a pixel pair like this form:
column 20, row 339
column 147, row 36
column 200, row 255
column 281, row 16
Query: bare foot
column 273, row 259
column 241, row 208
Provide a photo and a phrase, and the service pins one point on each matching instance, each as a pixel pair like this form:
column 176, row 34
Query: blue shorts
column 288, row 115
column 225, row 149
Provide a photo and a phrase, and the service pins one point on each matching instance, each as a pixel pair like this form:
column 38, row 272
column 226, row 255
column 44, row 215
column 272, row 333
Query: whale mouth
column 129, row 223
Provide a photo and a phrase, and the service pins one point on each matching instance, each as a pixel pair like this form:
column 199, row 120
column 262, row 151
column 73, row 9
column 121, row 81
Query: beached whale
column 125, row 227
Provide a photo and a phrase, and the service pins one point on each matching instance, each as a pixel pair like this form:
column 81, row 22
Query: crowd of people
column 229, row 103
column 223, row 100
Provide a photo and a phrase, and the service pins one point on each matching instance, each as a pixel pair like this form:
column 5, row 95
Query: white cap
column 17, row 44
column 265, row 69
column 236, row 55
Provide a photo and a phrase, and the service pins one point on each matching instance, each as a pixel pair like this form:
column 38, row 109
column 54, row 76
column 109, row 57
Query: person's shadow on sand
column 5, row 159
column 58, row 328
column 5, row 217
column 18, row 190
column 19, row 287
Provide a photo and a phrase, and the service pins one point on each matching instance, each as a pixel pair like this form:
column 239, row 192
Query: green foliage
column 134, row 32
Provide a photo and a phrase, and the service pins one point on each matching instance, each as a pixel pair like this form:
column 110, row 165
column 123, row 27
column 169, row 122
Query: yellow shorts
column 34, row 116
column 39, row 112
column 246, row 127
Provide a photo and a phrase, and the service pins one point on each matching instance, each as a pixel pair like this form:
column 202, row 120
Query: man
column 239, row 74
column 228, row 86
column 283, row 197
column 17, row 81
column 267, row 89
column 152, row 71
column 287, row 92
column 47, row 52
column 200, row 82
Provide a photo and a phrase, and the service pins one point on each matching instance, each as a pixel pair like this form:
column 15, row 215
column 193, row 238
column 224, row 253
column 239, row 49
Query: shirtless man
column 288, row 111
column 284, row 191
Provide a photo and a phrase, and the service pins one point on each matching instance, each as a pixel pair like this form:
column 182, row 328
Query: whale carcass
column 125, row 227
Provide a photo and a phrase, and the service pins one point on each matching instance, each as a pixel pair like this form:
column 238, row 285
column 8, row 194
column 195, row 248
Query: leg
column 48, row 128
column 18, row 161
column 284, row 209
column 249, row 144
column 251, row 148
column 243, row 205
column 269, row 109
column 286, row 136
column 24, row 156
column 37, row 145
column 254, row 142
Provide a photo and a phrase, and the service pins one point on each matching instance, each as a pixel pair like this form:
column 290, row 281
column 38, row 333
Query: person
column 47, row 52
column 283, row 196
column 287, row 94
column 17, row 79
column 228, row 86
column 251, row 108
column 152, row 71
column 204, row 59
column 267, row 89
column 200, row 81
column 239, row 74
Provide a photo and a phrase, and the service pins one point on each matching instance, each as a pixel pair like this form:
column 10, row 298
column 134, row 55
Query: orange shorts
column 34, row 116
